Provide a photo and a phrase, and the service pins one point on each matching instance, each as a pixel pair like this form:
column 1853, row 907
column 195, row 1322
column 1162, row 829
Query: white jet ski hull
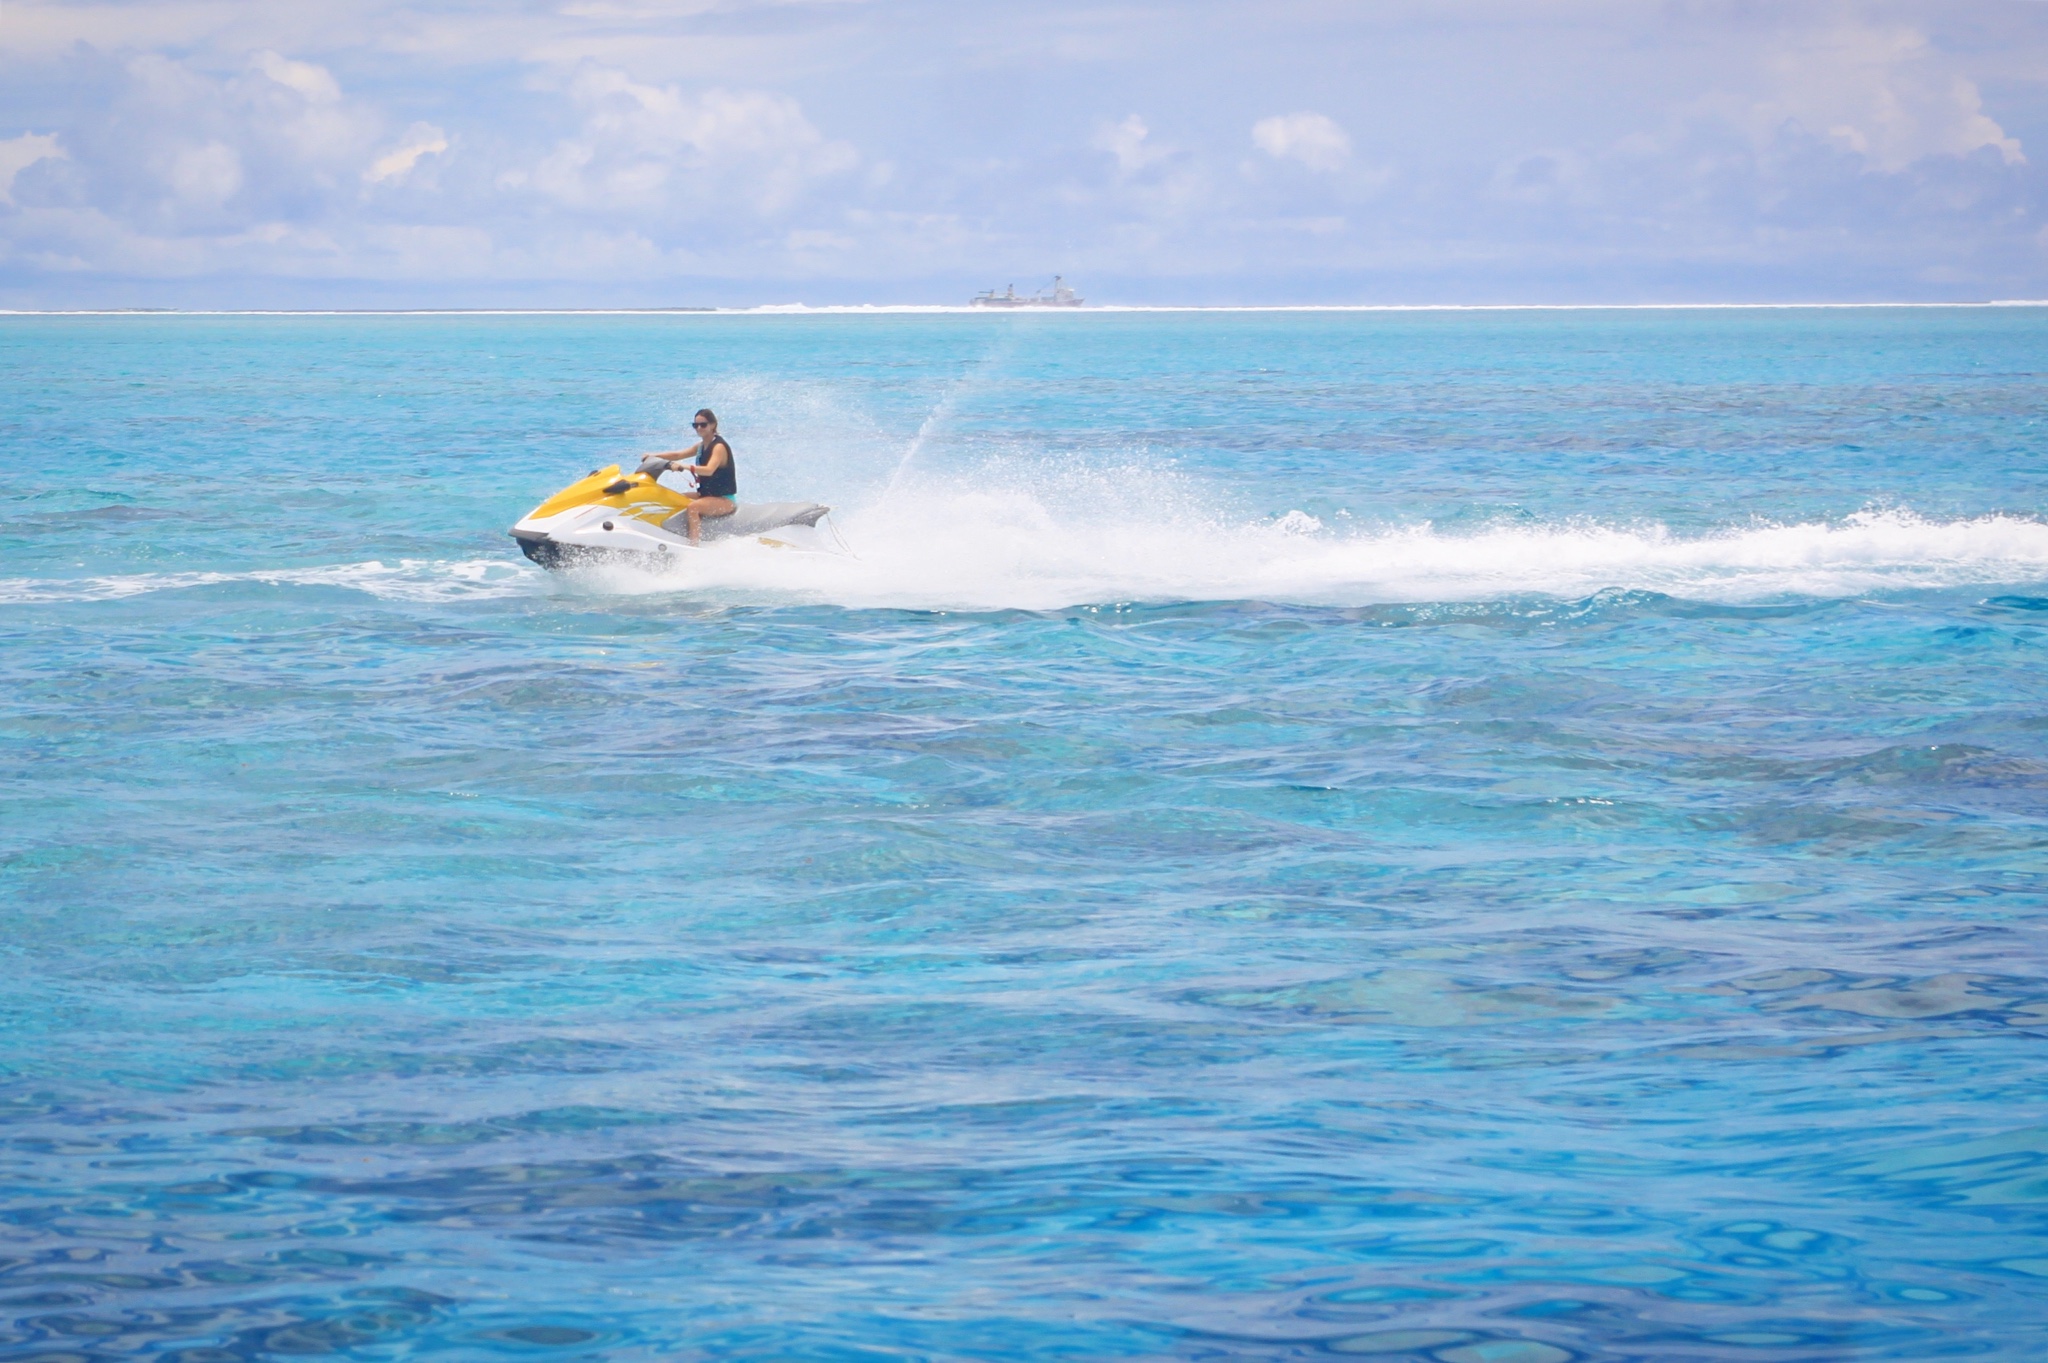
column 592, row 535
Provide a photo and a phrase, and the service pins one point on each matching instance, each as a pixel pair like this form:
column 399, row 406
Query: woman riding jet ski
column 609, row 517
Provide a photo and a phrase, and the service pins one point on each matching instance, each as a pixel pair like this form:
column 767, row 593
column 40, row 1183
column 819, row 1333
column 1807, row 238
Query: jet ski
column 609, row 517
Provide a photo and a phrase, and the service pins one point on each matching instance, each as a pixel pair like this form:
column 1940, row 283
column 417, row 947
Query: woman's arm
column 719, row 458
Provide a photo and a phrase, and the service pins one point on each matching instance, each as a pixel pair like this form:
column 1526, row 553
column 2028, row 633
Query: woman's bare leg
column 713, row 507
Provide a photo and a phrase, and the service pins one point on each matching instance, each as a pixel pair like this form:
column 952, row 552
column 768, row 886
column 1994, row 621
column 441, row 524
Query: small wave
column 406, row 580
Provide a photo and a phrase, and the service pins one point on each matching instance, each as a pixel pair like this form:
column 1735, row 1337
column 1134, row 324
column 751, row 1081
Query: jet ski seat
column 752, row 518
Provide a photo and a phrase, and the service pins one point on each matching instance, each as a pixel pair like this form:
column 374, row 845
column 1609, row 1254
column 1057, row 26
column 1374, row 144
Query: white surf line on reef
column 966, row 310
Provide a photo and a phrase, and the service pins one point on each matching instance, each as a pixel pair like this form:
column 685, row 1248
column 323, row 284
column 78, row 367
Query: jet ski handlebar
column 653, row 466
column 656, row 465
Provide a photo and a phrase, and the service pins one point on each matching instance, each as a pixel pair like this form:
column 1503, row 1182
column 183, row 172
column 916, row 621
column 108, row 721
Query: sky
column 663, row 153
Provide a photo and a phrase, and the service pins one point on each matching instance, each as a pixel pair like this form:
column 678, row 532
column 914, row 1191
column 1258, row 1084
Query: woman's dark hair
column 708, row 415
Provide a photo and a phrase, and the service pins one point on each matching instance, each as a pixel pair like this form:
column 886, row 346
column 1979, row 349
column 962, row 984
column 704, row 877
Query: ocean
column 1467, row 836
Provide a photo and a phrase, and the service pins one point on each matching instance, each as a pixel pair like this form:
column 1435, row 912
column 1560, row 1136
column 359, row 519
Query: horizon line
column 802, row 309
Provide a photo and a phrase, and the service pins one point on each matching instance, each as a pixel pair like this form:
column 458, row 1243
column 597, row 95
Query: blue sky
column 362, row 153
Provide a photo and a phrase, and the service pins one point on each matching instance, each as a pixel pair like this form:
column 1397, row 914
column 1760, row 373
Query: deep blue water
column 1478, row 837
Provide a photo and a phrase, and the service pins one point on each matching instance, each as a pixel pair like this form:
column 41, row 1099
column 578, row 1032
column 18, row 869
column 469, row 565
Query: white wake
column 935, row 549
column 992, row 552
column 405, row 580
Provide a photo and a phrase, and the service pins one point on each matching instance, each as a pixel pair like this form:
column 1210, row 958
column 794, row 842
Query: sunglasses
column 700, row 425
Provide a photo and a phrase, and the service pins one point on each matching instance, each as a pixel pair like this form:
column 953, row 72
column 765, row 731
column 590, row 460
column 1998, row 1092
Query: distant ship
column 1060, row 297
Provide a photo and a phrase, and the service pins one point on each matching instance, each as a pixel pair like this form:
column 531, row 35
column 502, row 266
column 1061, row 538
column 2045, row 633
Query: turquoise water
column 1479, row 837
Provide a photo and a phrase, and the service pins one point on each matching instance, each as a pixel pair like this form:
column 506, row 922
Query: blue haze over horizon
column 643, row 153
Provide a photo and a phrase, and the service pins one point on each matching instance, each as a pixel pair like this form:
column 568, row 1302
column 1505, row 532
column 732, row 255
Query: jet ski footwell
column 611, row 517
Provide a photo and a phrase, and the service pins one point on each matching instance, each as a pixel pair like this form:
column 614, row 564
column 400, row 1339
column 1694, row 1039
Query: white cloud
column 316, row 83
column 646, row 145
column 1880, row 91
column 17, row 154
column 274, row 129
column 1126, row 141
column 1844, row 145
column 313, row 119
column 421, row 139
column 206, row 175
column 1315, row 140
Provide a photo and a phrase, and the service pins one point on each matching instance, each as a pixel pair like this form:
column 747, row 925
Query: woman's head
column 705, row 421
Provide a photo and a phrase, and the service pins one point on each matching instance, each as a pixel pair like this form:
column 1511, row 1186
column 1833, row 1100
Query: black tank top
column 722, row 483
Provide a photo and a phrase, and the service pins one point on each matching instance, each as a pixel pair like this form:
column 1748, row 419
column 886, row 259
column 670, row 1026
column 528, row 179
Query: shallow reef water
column 1468, row 837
